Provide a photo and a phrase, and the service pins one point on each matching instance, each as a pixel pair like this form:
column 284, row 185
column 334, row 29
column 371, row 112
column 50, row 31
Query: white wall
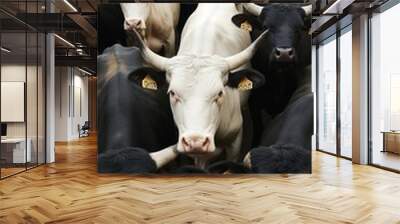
column 9, row 73
column 62, row 81
column 70, row 83
column 16, row 72
column 79, row 117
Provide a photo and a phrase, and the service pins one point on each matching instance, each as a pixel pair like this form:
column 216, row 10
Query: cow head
column 288, row 32
column 136, row 15
column 198, row 87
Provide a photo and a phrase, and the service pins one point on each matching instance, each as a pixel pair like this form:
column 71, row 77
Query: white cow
column 156, row 23
column 203, row 80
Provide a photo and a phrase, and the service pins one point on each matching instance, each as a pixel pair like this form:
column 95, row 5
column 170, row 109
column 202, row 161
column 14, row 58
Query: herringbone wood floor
column 71, row 191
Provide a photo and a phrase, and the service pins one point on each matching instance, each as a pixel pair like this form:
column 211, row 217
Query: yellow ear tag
column 245, row 84
column 149, row 83
column 246, row 26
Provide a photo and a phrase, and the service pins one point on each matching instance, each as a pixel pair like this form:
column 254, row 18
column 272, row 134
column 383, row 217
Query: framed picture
column 210, row 88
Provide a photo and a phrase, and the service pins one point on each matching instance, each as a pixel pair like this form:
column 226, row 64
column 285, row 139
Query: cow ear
column 307, row 19
column 246, row 22
column 246, row 79
column 148, row 78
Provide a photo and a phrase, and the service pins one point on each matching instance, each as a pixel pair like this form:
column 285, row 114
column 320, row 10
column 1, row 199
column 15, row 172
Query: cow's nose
column 138, row 24
column 196, row 144
column 284, row 54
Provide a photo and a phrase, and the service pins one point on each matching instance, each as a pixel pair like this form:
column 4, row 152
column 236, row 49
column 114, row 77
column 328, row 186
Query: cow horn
column 307, row 9
column 253, row 8
column 155, row 60
column 244, row 56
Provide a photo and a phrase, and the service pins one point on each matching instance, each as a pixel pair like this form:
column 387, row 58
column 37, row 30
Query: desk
column 391, row 141
column 13, row 150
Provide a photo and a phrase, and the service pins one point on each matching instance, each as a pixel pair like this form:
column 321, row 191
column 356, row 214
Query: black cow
column 282, row 109
column 133, row 121
column 110, row 27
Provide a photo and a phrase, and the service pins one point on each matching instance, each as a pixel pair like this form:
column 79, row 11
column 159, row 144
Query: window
column 385, row 89
column 327, row 96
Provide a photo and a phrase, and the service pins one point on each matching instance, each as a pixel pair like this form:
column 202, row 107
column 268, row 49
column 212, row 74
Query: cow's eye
column 174, row 96
column 220, row 93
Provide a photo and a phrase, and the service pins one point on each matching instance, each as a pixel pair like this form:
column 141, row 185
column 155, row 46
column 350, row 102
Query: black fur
column 282, row 109
column 285, row 158
column 227, row 166
column 130, row 117
column 110, row 21
column 126, row 160
column 190, row 169
column 255, row 76
column 219, row 167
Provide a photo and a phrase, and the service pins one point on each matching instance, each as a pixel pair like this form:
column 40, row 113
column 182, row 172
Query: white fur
column 158, row 23
column 164, row 156
column 199, row 72
column 203, row 106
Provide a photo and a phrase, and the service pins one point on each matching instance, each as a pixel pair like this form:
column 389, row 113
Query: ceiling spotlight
column 70, row 5
column 64, row 40
column 338, row 6
column 84, row 71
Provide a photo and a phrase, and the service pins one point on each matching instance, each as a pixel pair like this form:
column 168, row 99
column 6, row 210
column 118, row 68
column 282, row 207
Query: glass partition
column 31, row 99
column 22, row 88
column 41, row 97
column 15, row 150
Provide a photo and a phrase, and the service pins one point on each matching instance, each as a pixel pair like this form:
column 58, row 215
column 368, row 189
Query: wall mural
column 204, row 88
